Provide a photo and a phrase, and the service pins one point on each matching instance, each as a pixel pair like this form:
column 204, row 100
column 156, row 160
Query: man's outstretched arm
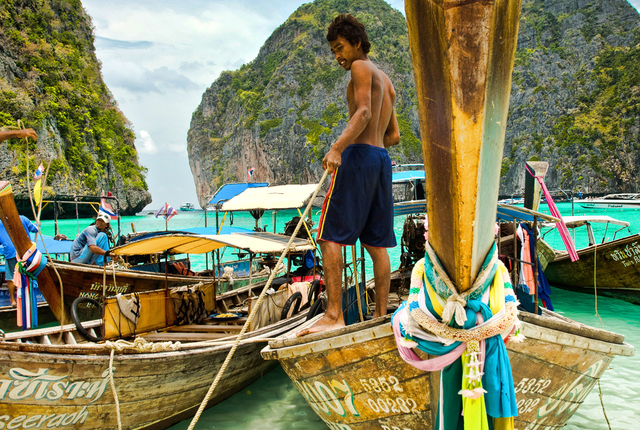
column 9, row 134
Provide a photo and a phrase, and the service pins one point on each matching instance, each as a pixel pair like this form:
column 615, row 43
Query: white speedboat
column 187, row 206
column 612, row 201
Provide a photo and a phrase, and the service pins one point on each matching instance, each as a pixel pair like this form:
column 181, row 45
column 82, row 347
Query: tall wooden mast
column 462, row 53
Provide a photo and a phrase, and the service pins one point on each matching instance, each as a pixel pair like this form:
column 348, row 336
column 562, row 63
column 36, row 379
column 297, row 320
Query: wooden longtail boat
column 54, row 378
column 607, row 267
column 354, row 377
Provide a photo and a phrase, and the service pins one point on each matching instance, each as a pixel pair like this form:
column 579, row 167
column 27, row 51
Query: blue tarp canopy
column 228, row 191
column 52, row 246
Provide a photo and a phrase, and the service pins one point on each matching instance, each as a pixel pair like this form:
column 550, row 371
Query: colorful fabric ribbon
column 476, row 380
column 25, row 279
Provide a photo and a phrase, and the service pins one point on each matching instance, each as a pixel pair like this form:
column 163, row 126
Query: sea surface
column 274, row 403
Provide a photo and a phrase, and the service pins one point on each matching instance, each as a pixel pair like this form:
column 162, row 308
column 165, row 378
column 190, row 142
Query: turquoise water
column 274, row 403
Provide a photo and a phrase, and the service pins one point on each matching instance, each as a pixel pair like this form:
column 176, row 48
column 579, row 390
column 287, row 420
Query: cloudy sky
column 158, row 57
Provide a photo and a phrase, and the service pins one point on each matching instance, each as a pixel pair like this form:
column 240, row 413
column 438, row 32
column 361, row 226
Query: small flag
column 106, row 208
column 39, row 172
column 37, row 192
column 170, row 212
column 250, row 172
column 161, row 210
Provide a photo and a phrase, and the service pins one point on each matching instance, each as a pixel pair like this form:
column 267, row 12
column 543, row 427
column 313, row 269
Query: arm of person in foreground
column 361, row 78
column 9, row 134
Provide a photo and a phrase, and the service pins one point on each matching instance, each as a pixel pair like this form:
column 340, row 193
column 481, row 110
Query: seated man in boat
column 9, row 252
column 359, row 204
column 92, row 244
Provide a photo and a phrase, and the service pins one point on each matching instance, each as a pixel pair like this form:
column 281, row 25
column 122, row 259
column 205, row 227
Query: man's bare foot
column 14, row 304
column 324, row 324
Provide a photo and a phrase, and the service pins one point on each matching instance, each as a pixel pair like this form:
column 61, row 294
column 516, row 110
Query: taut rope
column 215, row 382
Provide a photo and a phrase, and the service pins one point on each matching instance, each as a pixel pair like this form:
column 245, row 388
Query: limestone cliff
column 281, row 112
column 50, row 80
column 575, row 98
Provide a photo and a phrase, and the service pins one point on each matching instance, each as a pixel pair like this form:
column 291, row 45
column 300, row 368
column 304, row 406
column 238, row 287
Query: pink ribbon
column 430, row 365
column 561, row 226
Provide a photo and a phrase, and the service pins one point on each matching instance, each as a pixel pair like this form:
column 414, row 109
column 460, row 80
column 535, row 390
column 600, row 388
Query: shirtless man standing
column 359, row 204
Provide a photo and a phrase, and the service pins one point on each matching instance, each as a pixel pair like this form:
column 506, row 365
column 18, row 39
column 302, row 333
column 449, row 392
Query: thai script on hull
column 41, row 385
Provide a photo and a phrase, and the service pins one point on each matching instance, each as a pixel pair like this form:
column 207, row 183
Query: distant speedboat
column 186, row 206
column 512, row 201
column 613, row 201
column 408, row 189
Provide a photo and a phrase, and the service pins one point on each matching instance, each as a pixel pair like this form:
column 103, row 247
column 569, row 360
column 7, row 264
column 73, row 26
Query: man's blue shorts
column 359, row 204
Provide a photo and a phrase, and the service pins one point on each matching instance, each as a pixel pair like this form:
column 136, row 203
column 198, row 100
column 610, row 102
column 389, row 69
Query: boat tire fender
column 295, row 297
column 317, row 308
column 314, row 292
column 76, row 320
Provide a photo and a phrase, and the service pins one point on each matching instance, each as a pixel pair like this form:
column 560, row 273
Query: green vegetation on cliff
column 576, row 97
column 55, row 86
column 286, row 107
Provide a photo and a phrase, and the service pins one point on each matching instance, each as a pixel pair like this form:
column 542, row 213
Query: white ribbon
column 455, row 307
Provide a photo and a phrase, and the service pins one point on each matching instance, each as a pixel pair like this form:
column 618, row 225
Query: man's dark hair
column 347, row 26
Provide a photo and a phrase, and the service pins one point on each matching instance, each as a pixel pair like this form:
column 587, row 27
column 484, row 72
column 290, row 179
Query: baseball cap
column 104, row 217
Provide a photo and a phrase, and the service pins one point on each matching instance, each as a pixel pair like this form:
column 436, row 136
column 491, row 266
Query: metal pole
column 515, row 254
column 55, row 214
column 345, row 285
column 535, row 260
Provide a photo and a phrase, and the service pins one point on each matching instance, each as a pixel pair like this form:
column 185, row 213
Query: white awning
column 580, row 220
column 273, row 198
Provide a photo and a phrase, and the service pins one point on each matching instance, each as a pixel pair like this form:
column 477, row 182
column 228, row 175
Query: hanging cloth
column 25, row 278
column 465, row 332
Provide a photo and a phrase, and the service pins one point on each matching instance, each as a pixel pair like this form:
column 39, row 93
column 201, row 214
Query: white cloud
column 145, row 143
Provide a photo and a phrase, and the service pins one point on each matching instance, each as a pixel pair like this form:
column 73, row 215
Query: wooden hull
column 67, row 386
column 617, row 269
column 354, row 378
column 81, row 280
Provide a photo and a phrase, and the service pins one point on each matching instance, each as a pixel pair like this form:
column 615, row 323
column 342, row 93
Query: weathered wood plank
column 206, row 328
column 183, row 337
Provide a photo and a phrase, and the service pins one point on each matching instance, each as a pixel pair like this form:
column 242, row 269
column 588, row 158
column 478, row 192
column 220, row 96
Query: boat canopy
column 229, row 191
column 579, row 221
column 510, row 213
column 272, row 198
column 48, row 244
column 408, row 175
column 184, row 243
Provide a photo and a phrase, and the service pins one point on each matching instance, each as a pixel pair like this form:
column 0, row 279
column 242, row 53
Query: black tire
column 297, row 297
column 317, row 308
column 314, row 292
column 76, row 320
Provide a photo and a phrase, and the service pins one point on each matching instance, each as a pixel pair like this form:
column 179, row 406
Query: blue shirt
column 87, row 237
column 9, row 250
